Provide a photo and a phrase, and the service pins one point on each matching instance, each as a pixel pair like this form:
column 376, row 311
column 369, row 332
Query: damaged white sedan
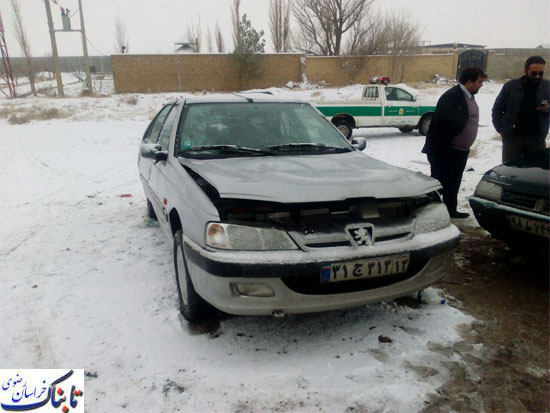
column 270, row 210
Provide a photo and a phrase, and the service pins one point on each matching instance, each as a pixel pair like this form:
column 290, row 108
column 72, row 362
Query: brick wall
column 344, row 70
column 173, row 73
column 509, row 63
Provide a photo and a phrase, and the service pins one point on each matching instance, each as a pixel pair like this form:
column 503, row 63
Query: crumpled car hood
column 309, row 178
column 524, row 173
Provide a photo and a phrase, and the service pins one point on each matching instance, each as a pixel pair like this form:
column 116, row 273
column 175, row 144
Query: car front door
column 159, row 177
column 401, row 108
column 151, row 136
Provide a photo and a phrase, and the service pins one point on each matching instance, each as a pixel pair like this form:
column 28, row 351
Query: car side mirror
column 359, row 143
column 153, row 151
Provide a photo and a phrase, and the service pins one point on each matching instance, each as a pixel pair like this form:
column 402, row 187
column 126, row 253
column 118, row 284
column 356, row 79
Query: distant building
column 184, row 46
column 449, row 47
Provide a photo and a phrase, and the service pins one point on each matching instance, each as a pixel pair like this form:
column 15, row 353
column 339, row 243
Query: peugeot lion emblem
column 361, row 235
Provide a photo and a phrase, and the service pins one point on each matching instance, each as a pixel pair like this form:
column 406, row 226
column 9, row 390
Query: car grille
column 333, row 234
column 311, row 284
column 527, row 202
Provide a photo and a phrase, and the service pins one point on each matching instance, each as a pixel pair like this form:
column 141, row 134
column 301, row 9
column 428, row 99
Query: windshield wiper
column 232, row 149
column 317, row 147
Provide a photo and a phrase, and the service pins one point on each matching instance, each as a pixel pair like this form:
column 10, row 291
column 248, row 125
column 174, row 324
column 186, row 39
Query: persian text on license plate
column 356, row 270
column 530, row 225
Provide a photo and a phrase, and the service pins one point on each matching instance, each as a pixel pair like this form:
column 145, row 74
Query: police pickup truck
column 381, row 105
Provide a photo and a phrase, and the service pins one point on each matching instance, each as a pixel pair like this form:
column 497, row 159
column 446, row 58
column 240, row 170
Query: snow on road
column 86, row 281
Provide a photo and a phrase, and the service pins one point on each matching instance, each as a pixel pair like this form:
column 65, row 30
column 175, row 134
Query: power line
column 96, row 49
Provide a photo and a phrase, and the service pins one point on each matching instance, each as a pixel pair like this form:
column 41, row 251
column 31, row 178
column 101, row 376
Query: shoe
column 460, row 215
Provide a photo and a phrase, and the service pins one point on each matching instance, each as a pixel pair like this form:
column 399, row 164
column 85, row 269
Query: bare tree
column 209, row 40
column 21, row 37
column 403, row 40
column 194, row 35
column 235, row 23
column 322, row 24
column 121, row 36
column 366, row 39
column 220, row 46
column 279, row 24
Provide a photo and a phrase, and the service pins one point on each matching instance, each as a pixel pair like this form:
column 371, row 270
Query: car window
column 371, row 93
column 164, row 136
column 394, row 93
column 152, row 133
column 254, row 125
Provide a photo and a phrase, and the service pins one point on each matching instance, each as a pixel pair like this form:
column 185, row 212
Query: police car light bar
column 380, row 79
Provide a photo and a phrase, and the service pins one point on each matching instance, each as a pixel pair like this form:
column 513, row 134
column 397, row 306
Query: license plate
column 530, row 225
column 357, row 270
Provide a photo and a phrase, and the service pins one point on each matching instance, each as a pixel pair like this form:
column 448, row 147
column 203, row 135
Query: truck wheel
column 406, row 129
column 192, row 306
column 425, row 124
column 344, row 127
column 150, row 211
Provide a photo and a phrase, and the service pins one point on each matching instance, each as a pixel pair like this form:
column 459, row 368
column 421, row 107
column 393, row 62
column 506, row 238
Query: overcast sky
column 154, row 25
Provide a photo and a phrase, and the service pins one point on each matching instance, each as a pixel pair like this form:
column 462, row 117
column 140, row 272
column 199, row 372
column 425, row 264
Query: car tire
column 425, row 124
column 344, row 127
column 192, row 306
column 150, row 211
column 406, row 129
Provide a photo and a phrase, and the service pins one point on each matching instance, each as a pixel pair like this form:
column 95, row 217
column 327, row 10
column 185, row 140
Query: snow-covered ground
column 87, row 281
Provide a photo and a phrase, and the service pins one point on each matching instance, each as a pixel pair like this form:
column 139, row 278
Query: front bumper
column 496, row 219
column 294, row 276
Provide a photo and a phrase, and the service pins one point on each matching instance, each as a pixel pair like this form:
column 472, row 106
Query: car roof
column 239, row 97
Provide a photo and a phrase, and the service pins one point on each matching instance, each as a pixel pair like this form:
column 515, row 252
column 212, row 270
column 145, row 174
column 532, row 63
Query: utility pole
column 85, row 49
column 55, row 57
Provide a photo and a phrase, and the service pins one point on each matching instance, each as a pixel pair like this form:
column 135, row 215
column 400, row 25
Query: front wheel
column 425, row 124
column 192, row 306
column 344, row 127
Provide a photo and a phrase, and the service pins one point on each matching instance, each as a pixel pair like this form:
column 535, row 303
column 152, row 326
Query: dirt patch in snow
column 509, row 294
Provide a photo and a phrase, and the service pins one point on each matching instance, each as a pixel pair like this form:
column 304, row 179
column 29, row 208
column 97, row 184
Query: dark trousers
column 447, row 167
column 515, row 147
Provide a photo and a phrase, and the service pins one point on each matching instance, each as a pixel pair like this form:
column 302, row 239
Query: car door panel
column 158, row 178
column 400, row 108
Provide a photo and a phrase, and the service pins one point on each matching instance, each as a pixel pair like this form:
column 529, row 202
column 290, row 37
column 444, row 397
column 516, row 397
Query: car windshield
column 255, row 129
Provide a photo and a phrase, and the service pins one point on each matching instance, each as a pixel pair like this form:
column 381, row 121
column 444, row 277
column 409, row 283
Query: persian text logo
column 45, row 390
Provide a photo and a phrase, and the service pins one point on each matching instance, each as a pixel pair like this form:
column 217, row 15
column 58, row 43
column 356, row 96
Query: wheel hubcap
column 343, row 129
column 427, row 125
column 182, row 276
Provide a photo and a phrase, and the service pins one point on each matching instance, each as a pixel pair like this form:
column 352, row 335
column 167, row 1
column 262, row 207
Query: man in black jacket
column 452, row 132
column 520, row 112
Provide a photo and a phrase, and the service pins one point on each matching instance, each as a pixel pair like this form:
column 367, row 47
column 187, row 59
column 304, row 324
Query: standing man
column 520, row 112
column 452, row 132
